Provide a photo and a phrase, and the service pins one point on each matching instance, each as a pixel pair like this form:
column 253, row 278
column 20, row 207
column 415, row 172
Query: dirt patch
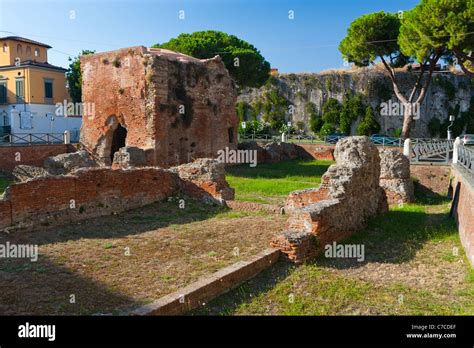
column 109, row 264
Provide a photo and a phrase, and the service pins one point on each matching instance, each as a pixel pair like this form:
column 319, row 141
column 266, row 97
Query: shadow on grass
column 133, row 222
column 45, row 288
column 281, row 170
column 398, row 235
column 394, row 237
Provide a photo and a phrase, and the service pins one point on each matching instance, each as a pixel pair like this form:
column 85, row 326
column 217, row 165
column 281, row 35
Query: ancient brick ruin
column 171, row 108
column 48, row 200
column 349, row 195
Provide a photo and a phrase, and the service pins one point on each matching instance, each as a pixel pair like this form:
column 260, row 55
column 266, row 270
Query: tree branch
column 433, row 61
column 397, row 91
column 417, row 84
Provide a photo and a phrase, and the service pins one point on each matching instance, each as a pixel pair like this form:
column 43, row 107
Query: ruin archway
column 119, row 138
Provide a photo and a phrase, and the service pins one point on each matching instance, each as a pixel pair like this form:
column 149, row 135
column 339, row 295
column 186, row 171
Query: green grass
column 4, row 183
column 419, row 236
column 266, row 183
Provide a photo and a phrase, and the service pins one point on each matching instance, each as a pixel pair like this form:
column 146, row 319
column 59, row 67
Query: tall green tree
column 376, row 36
column 368, row 125
column 243, row 61
column 440, row 23
column 74, row 77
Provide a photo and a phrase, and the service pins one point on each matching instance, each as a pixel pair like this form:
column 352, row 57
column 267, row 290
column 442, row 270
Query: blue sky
column 307, row 43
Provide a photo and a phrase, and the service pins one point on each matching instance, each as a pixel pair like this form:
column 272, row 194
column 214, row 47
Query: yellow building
column 30, row 89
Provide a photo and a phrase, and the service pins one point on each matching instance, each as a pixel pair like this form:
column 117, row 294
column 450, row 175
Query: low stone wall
column 34, row 155
column 91, row 192
column 349, row 195
column 317, row 151
column 463, row 208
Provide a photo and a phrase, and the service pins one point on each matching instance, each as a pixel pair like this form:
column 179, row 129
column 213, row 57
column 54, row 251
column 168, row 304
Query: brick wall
column 431, row 178
column 463, row 182
column 316, row 151
column 91, row 192
column 301, row 198
column 88, row 193
column 33, row 155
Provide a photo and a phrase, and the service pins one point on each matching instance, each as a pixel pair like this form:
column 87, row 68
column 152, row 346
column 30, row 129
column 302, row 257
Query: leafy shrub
column 369, row 124
column 327, row 129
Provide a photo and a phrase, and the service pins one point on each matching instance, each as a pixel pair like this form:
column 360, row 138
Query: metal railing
column 466, row 158
column 431, row 150
column 31, row 139
column 311, row 139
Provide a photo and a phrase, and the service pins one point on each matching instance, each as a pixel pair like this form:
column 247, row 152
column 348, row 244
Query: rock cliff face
column 447, row 92
column 174, row 107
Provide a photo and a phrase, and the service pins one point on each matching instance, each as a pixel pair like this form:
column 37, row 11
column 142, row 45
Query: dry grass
column 168, row 248
column 414, row 265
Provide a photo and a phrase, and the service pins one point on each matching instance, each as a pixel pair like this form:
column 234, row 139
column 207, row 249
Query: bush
column 241, row 109
column 369, row 124
column 327, row 129
column 397, row 132
column 352, row 108
column 315, row 121
column 331, row 111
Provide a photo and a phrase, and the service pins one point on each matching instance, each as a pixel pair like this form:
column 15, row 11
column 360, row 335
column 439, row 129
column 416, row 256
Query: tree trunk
column 407, row 122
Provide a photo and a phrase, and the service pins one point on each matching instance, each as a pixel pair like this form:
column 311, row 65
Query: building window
column 26, row 120
column 20, row 90
column 19, row 49
column 28, row 50
column 3, row 92
column 48, row 90
column 37, row 52
column 5, row 48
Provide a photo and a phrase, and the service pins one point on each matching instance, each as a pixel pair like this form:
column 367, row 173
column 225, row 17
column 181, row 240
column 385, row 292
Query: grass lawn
column 3, row 184
column 271, row 183
column 414, row 265
column 122, row 261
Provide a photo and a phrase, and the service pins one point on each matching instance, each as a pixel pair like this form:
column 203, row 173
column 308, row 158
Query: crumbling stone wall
column 349, row 195
column 395, row 176
column 174, row 107
column 89, row 192
column 204, row 179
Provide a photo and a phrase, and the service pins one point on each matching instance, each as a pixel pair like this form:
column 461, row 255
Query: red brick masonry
column 91, row 192
column 464, row 212
column 33, row 155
